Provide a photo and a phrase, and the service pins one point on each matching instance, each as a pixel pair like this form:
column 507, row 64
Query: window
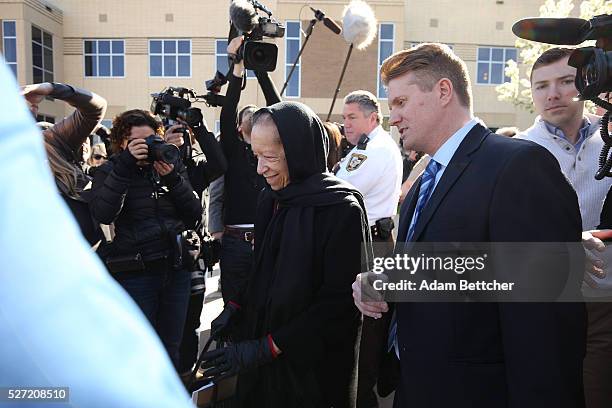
column 170, row 58
column 222, row 63
column 386, row 36
column 104, row 58
column 9, row 45
column 45, row 118
column 42, row 56
column 293, row 42
column 491, row 64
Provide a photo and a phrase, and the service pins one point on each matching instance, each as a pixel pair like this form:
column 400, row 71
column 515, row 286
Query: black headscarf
column 285, row 279
column 282, row 276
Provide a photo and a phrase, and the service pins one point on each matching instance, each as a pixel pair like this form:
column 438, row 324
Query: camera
column 593, row 64
column 173, row 103
column 159, row 150
column 213, row 86
column 257, row 55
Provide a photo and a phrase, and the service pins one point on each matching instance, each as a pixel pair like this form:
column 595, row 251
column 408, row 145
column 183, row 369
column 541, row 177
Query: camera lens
column 168, row 153
column 259, row 56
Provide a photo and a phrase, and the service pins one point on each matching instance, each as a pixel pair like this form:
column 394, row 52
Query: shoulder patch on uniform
column 355, row 161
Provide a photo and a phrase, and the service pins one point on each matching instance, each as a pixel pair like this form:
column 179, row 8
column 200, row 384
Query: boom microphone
column 561, row 31
column 328, row 22
column 243, row 15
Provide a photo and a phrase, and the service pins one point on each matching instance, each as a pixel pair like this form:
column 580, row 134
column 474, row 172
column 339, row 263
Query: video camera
column 257, row 55
column 593, row 64
column 174, row 103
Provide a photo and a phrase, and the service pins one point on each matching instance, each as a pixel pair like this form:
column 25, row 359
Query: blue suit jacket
column 489, row 355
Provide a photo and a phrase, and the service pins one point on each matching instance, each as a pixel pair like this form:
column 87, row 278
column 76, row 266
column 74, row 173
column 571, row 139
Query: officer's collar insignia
column 355, row 161
column 363, row 142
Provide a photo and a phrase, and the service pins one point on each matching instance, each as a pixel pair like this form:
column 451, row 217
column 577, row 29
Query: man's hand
column 363, row 289
column 163, row 168
column 592, row 242
column 174, row 135
column 232, row 48
column 139, row 149
column 35, row 93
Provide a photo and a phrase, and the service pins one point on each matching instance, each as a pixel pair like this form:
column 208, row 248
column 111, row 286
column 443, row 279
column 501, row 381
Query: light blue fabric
column 446, row 152
column 64, row 322
column 584, row 132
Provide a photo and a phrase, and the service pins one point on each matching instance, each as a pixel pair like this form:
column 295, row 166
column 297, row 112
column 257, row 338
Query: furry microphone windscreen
column 359, row 24
column 243, row 15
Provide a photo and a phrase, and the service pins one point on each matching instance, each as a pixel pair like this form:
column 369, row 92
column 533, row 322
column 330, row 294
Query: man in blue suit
column 478, row 187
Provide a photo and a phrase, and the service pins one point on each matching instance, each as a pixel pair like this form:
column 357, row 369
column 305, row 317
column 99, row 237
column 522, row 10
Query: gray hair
column 367, row 103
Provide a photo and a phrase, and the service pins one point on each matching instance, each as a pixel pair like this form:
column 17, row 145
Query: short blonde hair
column 430, row 62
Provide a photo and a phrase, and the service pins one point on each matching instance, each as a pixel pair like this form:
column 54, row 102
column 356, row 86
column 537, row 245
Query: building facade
column 126, row 50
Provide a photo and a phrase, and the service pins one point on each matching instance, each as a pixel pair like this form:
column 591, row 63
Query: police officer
column 374, row 166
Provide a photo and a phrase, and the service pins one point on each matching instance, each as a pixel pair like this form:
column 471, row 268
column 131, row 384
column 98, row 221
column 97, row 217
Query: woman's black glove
column 237, row 357
column 220, row 328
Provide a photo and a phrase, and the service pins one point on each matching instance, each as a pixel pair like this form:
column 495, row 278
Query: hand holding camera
column 163, row 169
column 139, row 150
column 174, row 135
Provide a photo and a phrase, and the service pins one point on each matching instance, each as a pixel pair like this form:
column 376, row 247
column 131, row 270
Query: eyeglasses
column 99, row 157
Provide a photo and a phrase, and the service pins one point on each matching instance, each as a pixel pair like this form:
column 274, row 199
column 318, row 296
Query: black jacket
column 148, row 210
column 207, row 161
column 483, row 355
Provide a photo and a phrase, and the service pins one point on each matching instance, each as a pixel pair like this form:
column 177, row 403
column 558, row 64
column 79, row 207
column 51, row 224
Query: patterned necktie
column 428, row 181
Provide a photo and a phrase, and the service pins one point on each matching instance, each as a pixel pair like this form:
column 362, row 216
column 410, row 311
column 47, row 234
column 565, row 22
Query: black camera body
column 257, row 54
column 159, row 150
column 172, row 104
column 213, row 86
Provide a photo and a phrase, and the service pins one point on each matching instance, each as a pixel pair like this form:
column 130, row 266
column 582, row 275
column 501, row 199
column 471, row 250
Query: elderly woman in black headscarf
column 299, row 320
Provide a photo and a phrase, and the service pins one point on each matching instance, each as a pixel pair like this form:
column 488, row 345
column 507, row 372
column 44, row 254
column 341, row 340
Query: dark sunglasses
column 99, row 156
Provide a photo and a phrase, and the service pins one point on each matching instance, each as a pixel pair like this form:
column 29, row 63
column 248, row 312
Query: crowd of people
column 300, row 207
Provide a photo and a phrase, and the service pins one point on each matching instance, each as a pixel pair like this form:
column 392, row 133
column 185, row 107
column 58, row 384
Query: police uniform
column 375, row 168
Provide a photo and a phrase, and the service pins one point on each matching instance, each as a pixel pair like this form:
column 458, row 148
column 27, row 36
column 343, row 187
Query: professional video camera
column 257, row 55
column 593, row 64
column 174, row 103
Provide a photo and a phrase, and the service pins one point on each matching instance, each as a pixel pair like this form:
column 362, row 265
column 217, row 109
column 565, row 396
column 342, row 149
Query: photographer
column 151, row 202
column 63, row 143
column 242, row 183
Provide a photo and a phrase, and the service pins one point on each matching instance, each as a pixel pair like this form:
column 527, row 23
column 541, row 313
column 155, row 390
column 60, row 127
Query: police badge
column 355, row 161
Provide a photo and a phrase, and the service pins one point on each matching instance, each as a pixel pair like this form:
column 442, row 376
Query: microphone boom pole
column 319, row 16
column 308, row 34
column 331, row 108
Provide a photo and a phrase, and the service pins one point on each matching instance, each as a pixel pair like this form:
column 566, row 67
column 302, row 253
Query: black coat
column 308, row 240
column 148, row 211
column 490, row 355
